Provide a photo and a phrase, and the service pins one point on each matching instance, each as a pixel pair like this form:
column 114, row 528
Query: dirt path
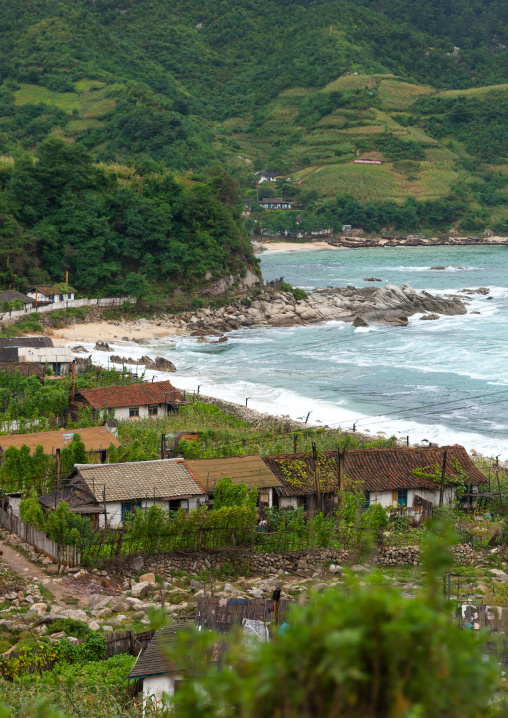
column 22, row 566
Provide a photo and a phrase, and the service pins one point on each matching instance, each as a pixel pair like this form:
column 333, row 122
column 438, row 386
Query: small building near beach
column 50, row 293
column 123, row 488
column 402, row 478
column 133, row 401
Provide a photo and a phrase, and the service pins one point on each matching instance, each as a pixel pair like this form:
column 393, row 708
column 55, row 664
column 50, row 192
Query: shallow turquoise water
column 445, row 380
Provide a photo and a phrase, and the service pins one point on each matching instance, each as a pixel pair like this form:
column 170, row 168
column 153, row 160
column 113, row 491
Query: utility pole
column 441, row 491
column 316, row 475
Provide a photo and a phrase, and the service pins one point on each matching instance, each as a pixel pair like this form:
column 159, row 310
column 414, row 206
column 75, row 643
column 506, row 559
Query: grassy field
column 380, row 182
column 475, row 91
column 401, row 95
column 34, row 94
column 349, row 82
column 90, row 100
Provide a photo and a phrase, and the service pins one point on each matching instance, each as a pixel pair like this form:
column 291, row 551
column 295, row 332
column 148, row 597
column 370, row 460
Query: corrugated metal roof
column 250, row 470
column 159, row 392
column 378, row 469
column 162, row 479
column 94, row 438
column 45, row 354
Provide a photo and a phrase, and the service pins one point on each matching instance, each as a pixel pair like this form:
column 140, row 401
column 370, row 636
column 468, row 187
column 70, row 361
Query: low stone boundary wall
column 411, row 555
column 257, row 563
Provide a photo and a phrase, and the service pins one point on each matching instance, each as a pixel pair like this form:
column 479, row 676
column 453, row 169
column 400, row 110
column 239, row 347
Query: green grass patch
column 399, row 95
column 34, row 94
column 350, row 82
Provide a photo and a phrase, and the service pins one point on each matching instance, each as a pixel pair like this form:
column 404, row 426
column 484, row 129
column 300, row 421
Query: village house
column 250, row 470
column 267, row 176
column 122, row 488
column 11, row 295
column 389, row 477
column 159, row 676
column 97, row 439
column 39, row 350
column 276, row 203
column 133, row 401
column 51, row 294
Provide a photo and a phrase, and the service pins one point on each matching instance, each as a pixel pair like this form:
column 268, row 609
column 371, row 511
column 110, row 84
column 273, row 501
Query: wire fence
column 339, row 537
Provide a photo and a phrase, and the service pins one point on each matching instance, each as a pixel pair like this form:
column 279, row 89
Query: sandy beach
column 108, row 331
column 299, row 246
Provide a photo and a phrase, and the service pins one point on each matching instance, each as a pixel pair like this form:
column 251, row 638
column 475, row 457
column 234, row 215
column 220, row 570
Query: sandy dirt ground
column 299, row 247
column 62, row 590
column 106, row 331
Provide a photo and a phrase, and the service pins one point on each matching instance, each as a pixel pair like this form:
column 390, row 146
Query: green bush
column 78, row 629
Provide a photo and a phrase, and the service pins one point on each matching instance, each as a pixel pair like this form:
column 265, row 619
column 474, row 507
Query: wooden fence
column 67, row 555
column 121, row 642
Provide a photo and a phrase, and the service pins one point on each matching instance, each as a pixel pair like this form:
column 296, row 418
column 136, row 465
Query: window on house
column 153, row 410
column 129, row 506
column 402, row 497
column 69, row 296
column 367, row 500
column 134, row 411
column 174, row 504
column 61, row 297
column 111, row 411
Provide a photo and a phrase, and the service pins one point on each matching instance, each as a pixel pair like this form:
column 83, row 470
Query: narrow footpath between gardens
column 17, row 562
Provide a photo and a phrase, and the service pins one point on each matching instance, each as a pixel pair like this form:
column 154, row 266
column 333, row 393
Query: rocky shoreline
column 389, row 305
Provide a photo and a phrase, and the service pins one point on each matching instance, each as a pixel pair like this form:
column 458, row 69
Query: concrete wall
column 155, row 687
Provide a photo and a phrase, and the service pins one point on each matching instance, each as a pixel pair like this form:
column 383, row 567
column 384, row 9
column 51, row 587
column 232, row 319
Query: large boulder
column 147, row 578
column 139, row 590
column 96, row 601
column 164, row 364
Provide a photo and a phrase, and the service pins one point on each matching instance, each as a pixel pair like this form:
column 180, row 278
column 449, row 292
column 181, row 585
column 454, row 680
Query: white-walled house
column 120, row 489
column 45, row 293
column 267, row 177
column 133, row 401
column 393, row 477
column 276, row 203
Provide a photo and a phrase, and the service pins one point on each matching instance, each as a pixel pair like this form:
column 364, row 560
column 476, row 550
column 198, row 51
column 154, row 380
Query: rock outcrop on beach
column 389, row 305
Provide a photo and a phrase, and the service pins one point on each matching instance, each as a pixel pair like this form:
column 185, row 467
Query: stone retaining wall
column 247, row 561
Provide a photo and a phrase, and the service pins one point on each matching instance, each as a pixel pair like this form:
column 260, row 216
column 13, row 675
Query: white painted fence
column 15, row 315
column 68, row 555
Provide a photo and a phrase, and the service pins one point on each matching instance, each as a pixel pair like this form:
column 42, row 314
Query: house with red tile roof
column 400, row 477
column 133, row 401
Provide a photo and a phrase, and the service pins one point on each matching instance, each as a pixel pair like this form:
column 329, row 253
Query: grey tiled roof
column 155, row 661
column 162, row 479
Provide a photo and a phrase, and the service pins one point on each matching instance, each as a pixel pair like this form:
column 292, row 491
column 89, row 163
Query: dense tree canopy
column 60, row 212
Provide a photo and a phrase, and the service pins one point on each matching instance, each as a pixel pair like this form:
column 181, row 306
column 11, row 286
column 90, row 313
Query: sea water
column 444, row 381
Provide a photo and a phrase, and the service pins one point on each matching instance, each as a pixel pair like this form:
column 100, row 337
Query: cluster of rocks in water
column 389, row 305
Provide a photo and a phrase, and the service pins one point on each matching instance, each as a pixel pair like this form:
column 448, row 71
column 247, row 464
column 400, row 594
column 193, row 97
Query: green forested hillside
column 295, row 86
